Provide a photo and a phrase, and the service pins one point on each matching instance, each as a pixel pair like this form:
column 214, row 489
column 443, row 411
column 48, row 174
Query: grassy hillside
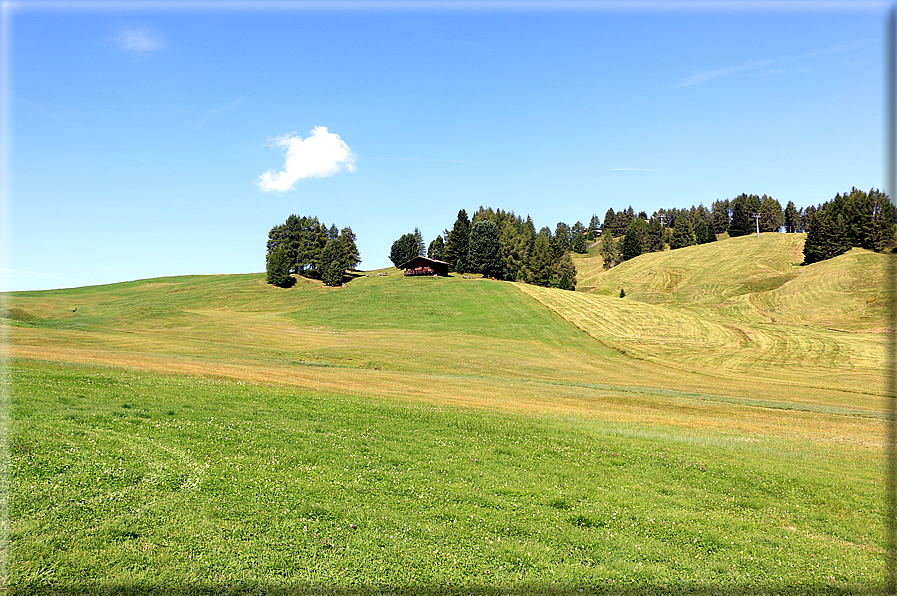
column 740, row 391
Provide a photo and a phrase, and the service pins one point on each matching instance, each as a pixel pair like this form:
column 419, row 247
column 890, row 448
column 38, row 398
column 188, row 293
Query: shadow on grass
column 202, row 589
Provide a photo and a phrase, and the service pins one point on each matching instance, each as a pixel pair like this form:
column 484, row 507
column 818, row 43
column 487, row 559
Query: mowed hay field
column 719, row 429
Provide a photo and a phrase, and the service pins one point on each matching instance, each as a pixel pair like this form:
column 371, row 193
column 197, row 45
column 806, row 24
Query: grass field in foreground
column 147, row 483
column 689, row 382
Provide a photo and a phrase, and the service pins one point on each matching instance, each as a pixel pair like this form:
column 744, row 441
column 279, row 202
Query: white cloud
column 139, row 41
column 320, row 154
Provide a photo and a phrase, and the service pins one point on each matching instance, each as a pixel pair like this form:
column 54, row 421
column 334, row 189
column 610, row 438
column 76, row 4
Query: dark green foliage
column 560, row 241
column 404, row 249
column 485, row 249
column 857, row 218
column 719, row 214
column 653, row 236
column 608, row 249
column 579, row 242
column 303, row 239
column 458, row 243
column 743, row 208
column 682, row 233
column 823, row 240
column 703, row 231
column 594, row 226
column 515, row 239
column 353, row 257
column 565, row 273
column 791, row 218
column 538, row 269
column 277, row 268
column 436, row 249
column 419, row 247
column 634, row 238
column 334, row 262
column 771, row 216
column 622, row 293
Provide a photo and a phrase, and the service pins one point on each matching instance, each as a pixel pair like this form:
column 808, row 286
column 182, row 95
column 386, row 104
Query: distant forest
column 503, row 245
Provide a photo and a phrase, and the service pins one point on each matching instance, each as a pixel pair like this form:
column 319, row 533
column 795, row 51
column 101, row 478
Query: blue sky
column 139, row 138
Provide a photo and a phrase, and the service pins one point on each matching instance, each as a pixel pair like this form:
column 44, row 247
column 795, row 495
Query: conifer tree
column 484, row 255
column 608, row 249
column 458, row 242
column 277, row 268
column 436, row 249
column 334, row 262
column 404, row 249
column 791, row 218
column 653, row 236
column 594, row 226
column 565, row 272
column 513, row 242
column 682, row 233
column 419, row 247
column 353, row 257
column 771, row 215
column 538, row 267
column 634, row 238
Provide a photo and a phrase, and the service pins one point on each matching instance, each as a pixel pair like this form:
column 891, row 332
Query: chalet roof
column 419, row 260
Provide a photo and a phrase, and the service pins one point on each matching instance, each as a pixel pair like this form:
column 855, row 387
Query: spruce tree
column 565, row 272
column 513, row 242
column 353, row 256
column 404, row 249
column 277, row 267
column 334, row 262
column 682, row 233
column 484, row 255
column 436, row 249
column 458, row 242
column 654, row 236
column 771, row 216
column 791, row 218
column 538, row 267
column 419, row 247
column 633, row 239
column 608, row 249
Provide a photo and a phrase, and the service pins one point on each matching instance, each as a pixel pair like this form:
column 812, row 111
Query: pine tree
column 594, row 226
column 436, row 249
column 334, row 262
column 703, row 233
column 485, row 249
column 419, row 247
column 634, row 238
column 771, row 216
column 608, row 249
column 743, row 208
column 538, row 267
column 565, row 271
column 353, row 256
column 654, row 236
column 277, row 268
column 791, row 218
column 719, row 212
column 513, row 242
column 458, row 243
column 682, row 233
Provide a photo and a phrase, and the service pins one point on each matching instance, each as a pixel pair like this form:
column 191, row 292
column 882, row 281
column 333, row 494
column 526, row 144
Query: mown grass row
column 145, row 483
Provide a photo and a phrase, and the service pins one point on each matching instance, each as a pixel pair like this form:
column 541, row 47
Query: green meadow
column 718, row 430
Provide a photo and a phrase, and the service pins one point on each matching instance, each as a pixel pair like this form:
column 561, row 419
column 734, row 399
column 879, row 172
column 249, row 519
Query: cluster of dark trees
column 503, row 245
column 857, row 218
column 305, row 246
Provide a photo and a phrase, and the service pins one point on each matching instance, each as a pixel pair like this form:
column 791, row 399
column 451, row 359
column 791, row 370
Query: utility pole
column 757, row 217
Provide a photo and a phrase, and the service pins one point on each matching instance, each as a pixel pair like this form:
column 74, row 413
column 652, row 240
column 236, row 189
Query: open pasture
column 197, row 432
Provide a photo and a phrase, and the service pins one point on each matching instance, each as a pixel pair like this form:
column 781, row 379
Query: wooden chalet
column 425, row 266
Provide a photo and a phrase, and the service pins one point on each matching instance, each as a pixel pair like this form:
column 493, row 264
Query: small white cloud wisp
column 139, row 41
column 320, row 154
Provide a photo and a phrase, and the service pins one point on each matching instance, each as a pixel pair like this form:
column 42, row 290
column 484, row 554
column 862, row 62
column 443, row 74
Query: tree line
column 502, row 245
column 305, row 246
